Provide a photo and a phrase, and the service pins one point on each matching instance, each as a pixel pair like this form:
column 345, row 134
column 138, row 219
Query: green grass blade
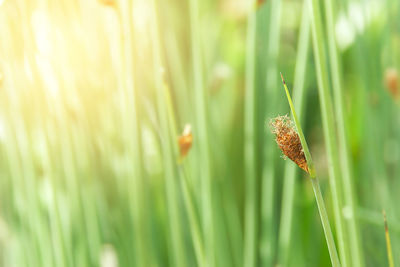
column 355, row 247
column 388, row 243
column 288, row 192
column 325, row 223
column 201, row 128
column 187, row 191
column 167, row 142
column 329, row 129
column 131, row 132
column 268, row 238
column 315, row 183
column 311, row 168
column 250, row 224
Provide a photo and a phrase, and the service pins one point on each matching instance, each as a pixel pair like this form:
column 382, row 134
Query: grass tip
column 283, row 80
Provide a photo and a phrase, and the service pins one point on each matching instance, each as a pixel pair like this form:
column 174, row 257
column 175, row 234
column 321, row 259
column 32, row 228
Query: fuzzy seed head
column 288, row 140
column 185, row 140
column 392, row 82
column 110, row 3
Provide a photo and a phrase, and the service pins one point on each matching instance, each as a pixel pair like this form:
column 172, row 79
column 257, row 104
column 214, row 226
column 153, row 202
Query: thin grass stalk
column 235, row 230
column 131, row 132
column 189, row 201
column 24, row 192
column 54, row 214
column 325, row 223
column 23, row 183
column 285, row 229
column 74, row 185
column 26, row 177
column 375, row 218
column 187, row 191
column 49, row 166
column 388, row 243
column 24, row 148
column 315, row 183
column 179, row 81
column 203, row 138
column 328, row 128
column 268, row 241
column 72, row 182
column 193, row 219
column 178, row 250
column 91, row 216
column 178, row 74
column 250, row 223
column 228, row 225
column 376, row 113
column 349, row 197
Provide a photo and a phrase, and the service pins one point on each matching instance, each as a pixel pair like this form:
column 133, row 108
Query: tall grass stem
column 328, row 128
column 250, row 222
column 355, row 247
column 288, row 192
column 315, row 183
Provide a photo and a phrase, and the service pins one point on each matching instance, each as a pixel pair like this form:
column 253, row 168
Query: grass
column 388, row 244
column 329, row 129
column 288, row 191
column 94, row 95
column 315, row 183
column 250, row 223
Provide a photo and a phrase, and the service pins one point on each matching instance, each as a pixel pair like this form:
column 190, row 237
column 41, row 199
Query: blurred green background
column 95, row 94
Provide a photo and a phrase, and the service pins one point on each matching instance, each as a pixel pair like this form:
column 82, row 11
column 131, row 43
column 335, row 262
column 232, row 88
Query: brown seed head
column 110, row 3
column 288, row 140
column 260, row 2
column 185, row 140
column 392, row 82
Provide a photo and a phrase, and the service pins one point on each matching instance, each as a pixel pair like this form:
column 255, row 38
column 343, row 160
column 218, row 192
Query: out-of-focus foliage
column 94, row 96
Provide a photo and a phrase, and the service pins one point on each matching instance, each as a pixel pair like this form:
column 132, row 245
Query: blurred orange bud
column 108, row 2
column 391, row 80
column 185, row 140
column 260, row 2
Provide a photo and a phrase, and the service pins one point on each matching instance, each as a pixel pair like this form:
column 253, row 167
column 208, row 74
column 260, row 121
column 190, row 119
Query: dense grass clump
column 132, row 133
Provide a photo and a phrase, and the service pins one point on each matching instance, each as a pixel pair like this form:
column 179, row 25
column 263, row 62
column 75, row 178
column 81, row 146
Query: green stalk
column 22, row 165
column 179, row 83
column 131, row 133
column 315, row 183
column 79, row 148
column 178, row 256
column 325, row 222
column 250, row 223
column 310, row 164
column 268, row 240
column 193, row 220
column 57, row 230
column 26, row 193
column 186, row 189
column 328, row 127
column 203, row 138
column 285, row 229
column 355, row 247
column 375, row 218
column 388, row 244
